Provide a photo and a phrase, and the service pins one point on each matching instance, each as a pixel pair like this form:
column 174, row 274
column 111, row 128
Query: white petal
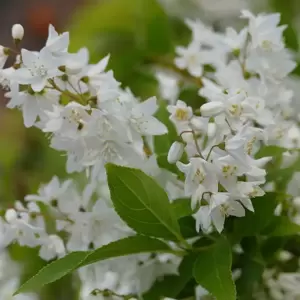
column 218, row 219
column 38, row 85
column 148, row 107
column 30, row 112
column 236, row 209
column 28, row 57
column 151, row 126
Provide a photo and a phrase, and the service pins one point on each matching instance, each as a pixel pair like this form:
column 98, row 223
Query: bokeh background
column 134, row 32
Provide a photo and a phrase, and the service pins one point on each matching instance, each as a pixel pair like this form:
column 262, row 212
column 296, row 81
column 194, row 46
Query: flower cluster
column 90, row 118
column 247, row 102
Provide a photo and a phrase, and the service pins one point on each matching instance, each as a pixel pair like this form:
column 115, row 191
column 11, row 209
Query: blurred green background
column 137, row 34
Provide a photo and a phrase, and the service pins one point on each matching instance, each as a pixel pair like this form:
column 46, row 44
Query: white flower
column 236, row 41
column 220, row 206
column 190, row 58
column 51, row 192
column 36, row 69
column 142, row 120
column 20, row 230
column 32, row 104
column 200, row 177
column 69, row 120
column 264, row 31
column 56, row 43
column 180, row 113
column 52, row 247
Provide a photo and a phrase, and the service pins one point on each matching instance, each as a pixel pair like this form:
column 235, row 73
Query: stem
column 170, row 66
column 210, row 151
column 196, row 144
column 195, row 140
column 109, row 293
column 67, row 93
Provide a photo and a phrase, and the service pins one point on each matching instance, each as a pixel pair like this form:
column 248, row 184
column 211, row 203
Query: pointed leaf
column 142, row 203
column 212, row 270
column 54, row 271
column 74, row 260
column 130, row 245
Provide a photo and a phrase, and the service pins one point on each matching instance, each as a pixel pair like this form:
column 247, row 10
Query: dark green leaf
column 252, row 269
column 141, row 202
column 212, row 270
column 172, row 285
column 255, row 222
column 126, row 246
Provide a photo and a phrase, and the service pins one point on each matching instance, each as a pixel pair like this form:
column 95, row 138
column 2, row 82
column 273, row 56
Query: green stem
column 160, row 61
column 76, row 98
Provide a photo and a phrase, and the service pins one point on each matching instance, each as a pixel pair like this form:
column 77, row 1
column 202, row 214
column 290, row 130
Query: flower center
column 235, row 110
column 181, row 114
column 229, row 170
column 199, row 176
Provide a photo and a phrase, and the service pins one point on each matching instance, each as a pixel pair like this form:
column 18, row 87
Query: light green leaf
column 142, row 203
column 212, row 270
column 182, row 207
column 61, row 267
column 284, row 226
column 172, row 285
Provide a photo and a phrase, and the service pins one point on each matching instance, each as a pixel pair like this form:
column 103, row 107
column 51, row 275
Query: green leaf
column 182, row 207
column 270, row 151
column 126, row 246
column 142, row 203
column 252, row 269
column 54, row 271
column 284, row 226
column 61, row 267
column 183, row 211
column 131, row 31
column 255, row 222
column 212, row 270
column 172, row 285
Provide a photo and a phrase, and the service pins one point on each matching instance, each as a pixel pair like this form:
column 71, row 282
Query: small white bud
column 211, row 109
column 285, row 255
column 175, row 152
column 211, row 130
column 17, row 32
column 10, row 215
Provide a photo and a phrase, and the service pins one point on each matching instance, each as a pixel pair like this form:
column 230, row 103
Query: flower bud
column 211, row 109
column 17, row 32
column 175, row 152
column 10, row 215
